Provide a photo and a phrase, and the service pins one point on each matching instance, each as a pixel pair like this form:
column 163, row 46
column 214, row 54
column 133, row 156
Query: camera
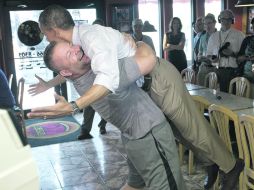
column 214, row 57
column 225, row 46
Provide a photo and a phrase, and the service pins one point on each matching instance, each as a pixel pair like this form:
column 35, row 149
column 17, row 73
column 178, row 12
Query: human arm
column 43, row 85
column 165, row 43
column 213, row 48
column 168, row 47
column 62, row 107
column 241, row 57
column 202, row 48
column 148, row 40
column 232, row 46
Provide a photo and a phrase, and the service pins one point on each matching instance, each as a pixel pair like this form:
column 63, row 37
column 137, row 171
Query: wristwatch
column 75, row 108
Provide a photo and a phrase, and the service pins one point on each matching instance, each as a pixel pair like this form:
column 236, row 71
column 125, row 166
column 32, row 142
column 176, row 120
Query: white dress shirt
column 219, row 38
column 104, row 46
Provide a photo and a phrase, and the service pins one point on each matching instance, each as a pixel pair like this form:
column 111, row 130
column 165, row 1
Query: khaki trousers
column 169, row 93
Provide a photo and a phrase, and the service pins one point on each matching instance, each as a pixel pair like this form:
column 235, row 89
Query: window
column 178, row 7
column 146, row 7
column 214, row 7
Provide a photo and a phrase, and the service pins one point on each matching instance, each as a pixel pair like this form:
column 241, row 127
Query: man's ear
column 65, row 73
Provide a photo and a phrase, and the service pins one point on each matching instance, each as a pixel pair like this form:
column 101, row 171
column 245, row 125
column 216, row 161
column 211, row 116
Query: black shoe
column 103, row 130
column 231, row 178
column 84, row 136
column 212, row 173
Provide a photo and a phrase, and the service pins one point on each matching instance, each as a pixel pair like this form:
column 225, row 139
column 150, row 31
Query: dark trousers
column 225, row 75
column 88, row 115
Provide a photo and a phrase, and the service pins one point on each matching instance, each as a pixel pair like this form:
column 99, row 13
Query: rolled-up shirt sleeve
column 102, row 50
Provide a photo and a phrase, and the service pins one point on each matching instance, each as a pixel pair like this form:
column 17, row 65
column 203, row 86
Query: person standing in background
column 206, row 66
column 246, row 55
column 137, row 35
column 223, row 47
column 198, row 28
column 173, row 43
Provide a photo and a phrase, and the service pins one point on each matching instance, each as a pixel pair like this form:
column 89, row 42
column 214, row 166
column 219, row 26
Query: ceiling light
column 244, row 3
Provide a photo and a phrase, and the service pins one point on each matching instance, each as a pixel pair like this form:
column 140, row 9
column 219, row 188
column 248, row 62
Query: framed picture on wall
column 122, row 16
column 250, row 15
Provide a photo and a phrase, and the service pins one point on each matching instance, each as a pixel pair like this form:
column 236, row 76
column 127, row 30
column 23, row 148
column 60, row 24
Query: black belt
column 147, row 83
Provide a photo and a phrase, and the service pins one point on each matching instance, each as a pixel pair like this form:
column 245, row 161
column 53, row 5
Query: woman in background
column 173, row 43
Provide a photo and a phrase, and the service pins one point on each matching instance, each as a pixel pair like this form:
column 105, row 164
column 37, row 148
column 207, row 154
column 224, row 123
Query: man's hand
column 203, row 59
column 39, row 87
column 61, row 108
column 228, row 52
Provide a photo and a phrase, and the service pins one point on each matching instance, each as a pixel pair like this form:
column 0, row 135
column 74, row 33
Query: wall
column 108, row 7
column 240, row 17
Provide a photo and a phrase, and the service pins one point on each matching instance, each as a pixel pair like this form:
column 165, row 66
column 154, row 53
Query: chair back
column 211, row 80
column 223, row 119
column 242, row 87
column 188, row 75
column 220, row 117
column 247, row 136
column 201, row 103
column 10, row 79
column 20, row 92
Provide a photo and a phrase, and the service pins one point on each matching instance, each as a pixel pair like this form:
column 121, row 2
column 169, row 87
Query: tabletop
column 190, row 86
column 249, row 111
column 225, row 99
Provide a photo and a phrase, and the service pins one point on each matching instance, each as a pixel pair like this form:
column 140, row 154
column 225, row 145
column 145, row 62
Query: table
column 190, row 86
column 225, row 99
column 249, row 111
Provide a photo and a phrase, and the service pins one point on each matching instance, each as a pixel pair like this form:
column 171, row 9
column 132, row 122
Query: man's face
column 226, row 21
column 137, row 28
column 70, row 57
column 209, row 25
column 199, row 26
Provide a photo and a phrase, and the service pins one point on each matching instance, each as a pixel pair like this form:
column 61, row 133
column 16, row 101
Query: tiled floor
column 95, row 164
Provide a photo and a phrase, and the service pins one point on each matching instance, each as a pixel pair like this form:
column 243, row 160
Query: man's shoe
column 212, row 173
column 231, row 178
column 103, row 130
column 84, row 136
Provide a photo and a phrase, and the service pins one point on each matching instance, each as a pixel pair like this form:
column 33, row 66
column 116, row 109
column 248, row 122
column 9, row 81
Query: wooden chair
column 20, row 95
column 220, row 118
column 247, row 137
column 20, row 92
column 188, row 75
column 242, row 87
column 211, row 80
column 202, row 105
